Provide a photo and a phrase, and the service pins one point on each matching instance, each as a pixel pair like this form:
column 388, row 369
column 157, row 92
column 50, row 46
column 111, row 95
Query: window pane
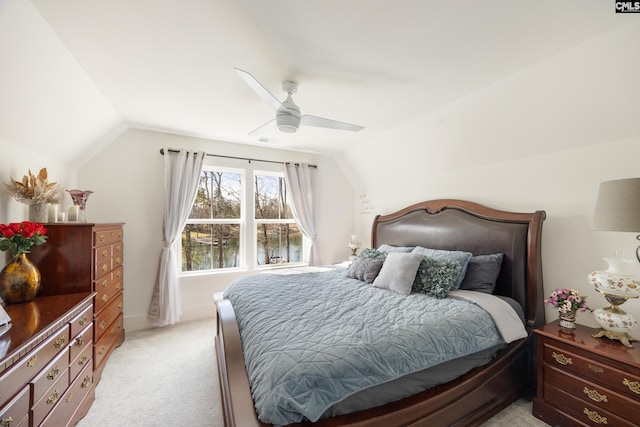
column 219, row 196
column 279, row 244
column 210, row 246
column 271, row 201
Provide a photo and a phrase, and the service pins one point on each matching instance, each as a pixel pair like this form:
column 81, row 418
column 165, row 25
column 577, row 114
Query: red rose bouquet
column 19, row 238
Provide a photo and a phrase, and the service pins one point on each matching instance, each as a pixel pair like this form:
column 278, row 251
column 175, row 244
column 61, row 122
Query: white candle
column 62, row 216
column 52, row 210
column 74, row 211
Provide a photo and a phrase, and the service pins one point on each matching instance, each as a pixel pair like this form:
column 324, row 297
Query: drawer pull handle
column 59, row 342
column 105, row 268
column 53, row 374
column 102, row 238
column 102, row 325
column 105, row 297
column 86, row 382
column 595, row 417
column 69, row 398
column 634, row 386
column 53, row 397
column 101, row 351
column 595, row 396
column 80, row 341
column 6, row 422
column 83, row 321
column 105, row 283
column 82, row 361
column 32, row 362
column 595, row 368
column 561, row 358
column 104, row 254
column 120, row 306
column 118, row 285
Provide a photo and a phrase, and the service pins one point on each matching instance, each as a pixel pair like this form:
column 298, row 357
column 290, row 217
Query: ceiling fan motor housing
column 288, row 120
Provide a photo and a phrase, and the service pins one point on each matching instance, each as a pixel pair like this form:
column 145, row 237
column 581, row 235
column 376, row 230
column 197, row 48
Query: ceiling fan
column 288, row 118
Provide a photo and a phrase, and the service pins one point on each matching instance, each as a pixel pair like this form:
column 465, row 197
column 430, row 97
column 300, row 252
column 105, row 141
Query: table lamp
column 617, row 209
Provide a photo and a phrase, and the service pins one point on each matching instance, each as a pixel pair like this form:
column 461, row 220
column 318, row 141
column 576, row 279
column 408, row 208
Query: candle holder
column 79, row 198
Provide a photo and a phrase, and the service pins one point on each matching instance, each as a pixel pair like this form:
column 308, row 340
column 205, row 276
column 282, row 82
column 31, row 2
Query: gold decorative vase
column 567, row 319
column 19, row 280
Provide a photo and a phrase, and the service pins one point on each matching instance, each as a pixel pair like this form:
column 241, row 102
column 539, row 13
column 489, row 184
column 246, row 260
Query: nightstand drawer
column 585, row 413
column 594, row 370
column 593, row 394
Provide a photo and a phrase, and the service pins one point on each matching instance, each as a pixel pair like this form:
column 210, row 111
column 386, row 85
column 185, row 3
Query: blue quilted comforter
column 311, row 339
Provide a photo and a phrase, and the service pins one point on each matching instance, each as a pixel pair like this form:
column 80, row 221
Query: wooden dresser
column 586, row 381
column 86, row 257
column 46, row 372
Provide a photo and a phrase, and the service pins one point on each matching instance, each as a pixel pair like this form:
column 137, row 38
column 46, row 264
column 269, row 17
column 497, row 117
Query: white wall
column 543, row 138
column 15, row 162
column 127, row 180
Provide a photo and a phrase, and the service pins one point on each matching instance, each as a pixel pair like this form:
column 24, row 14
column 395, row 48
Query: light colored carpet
column 168, row 376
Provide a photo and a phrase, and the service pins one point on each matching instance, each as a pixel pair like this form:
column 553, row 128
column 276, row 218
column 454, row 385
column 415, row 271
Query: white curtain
column 301, row 183
column 181, row 176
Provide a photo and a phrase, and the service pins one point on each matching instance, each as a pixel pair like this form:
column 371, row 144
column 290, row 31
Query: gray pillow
column 460, row 257
column 482, row 273
column 365, row 269
column 436, row 277
column 398, row 272
column 390, row 248
column 372, row 253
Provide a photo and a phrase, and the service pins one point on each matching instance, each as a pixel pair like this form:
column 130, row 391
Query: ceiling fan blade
column 260, row 90
column 270, row 124
column 309, row 120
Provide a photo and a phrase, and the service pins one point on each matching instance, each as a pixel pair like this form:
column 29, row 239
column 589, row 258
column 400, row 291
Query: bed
column 475, row 396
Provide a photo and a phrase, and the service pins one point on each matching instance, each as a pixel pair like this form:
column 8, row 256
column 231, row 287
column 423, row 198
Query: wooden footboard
column 467, row 401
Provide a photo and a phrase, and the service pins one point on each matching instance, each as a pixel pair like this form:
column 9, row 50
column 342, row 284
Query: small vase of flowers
column 569, row 302
column 35, row 191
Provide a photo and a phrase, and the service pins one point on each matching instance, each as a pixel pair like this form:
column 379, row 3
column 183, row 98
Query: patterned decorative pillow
column 372, row 253
column 365, row 269
column 460, row 257
column 436, row 277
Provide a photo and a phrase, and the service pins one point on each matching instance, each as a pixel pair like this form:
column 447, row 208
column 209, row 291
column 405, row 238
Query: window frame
column 248, row 254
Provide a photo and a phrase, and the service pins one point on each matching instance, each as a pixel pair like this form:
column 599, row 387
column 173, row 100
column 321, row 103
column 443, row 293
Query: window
column 278, row 238
column 230, row 227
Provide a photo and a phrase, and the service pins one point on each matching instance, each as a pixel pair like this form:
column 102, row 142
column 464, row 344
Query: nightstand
column 586, row 381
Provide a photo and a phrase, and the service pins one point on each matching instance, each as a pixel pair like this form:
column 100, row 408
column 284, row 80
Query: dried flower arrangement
column 35, row 189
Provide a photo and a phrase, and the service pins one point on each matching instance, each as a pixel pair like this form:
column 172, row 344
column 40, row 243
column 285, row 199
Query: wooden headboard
column 461, row 225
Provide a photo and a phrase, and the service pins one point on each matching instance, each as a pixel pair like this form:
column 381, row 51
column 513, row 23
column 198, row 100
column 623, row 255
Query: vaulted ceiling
column 76, row 73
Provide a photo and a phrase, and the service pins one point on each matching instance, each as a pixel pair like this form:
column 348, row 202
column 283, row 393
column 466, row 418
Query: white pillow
column 398, row 272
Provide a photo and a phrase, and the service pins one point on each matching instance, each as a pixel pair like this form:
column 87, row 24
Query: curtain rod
column 237, row 158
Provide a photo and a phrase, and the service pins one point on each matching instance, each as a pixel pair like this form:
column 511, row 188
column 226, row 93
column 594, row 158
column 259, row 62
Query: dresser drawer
column 50, row 375
column 84, row 358
column 49, row 400
column 103, row 236
column 585, row 413
column 112, row 337
column 26, row 369
column 105, row 294
column 16, row 410
column 71, row 400
column 594, row 370
column 81, row 321
column 593, row 394
column 108, row 315
column 102, row 261
column 80, row 342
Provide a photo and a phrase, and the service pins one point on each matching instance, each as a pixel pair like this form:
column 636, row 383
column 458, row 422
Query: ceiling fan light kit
column 288, row 118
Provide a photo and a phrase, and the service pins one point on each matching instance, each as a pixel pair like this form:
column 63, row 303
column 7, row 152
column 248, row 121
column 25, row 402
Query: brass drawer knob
column 595, row 417
column 53, row 397
column 83, row 321
column 6, row 422
column 85, row 382
column 53, row 374
column 595, row 396
column 59, row 342
column 80, row 341
column 32, row 362
column 83, row 360
column 561, row 358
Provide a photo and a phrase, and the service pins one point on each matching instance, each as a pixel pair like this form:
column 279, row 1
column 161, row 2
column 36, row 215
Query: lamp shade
column 618, row 206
